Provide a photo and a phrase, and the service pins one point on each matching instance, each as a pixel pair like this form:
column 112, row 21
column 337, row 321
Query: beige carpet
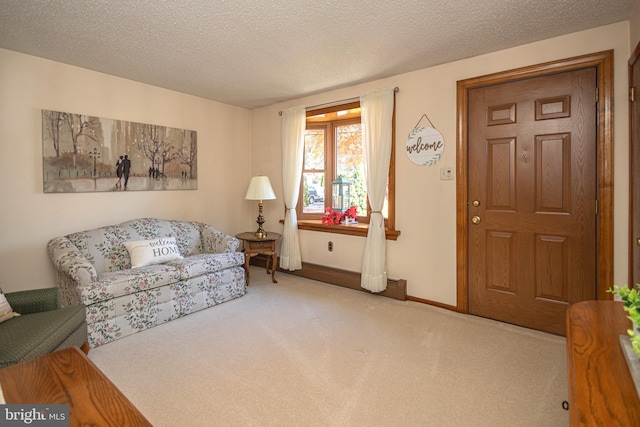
column 304, row 353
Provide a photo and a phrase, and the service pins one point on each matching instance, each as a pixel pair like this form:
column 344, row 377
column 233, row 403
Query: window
column 333, row 148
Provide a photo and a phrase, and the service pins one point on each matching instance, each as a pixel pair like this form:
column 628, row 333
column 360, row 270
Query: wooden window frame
column 312, row 222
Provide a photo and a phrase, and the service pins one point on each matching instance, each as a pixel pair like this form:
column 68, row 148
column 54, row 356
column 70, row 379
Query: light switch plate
column 446, row 174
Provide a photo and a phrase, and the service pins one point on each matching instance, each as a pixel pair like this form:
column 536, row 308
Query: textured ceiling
column 252, row 53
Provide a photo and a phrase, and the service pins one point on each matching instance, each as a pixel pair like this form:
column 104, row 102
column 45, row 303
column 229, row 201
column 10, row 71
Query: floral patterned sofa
column 93, row 267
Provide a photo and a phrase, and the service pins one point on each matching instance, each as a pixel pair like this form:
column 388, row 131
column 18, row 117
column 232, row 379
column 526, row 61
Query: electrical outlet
column 330, row 246
column 446, row 174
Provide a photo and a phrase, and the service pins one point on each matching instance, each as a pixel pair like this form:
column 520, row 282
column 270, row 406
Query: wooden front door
column 532, row 193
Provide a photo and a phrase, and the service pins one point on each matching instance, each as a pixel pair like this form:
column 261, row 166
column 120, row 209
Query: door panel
column 551, row 274
column 553, row 171
column 501, row 262
column 532, row 168
column 501, row 176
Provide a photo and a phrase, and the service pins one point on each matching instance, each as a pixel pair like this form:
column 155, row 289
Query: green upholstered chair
column 42, row 326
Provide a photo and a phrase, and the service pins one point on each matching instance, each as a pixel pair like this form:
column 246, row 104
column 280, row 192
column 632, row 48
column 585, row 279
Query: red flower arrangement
column 352, row 213
column 331, row 217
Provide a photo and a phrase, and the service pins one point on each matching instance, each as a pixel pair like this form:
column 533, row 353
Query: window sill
column 353, row 230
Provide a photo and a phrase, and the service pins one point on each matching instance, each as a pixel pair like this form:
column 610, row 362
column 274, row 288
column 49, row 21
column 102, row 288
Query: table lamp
column 260, row 189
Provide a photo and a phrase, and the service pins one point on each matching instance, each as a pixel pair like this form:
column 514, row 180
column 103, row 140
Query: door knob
column 638, row 241
column 475, row 220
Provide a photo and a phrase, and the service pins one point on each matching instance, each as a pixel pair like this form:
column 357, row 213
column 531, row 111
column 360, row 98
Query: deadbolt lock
column 476, row 203
column 638, row 241
column 475, row 220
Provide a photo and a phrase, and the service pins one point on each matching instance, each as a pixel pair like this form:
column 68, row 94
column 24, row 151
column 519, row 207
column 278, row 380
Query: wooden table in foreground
column 601, row 389
column 69, row 377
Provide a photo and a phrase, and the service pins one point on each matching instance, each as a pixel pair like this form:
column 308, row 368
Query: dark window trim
column 353, row 230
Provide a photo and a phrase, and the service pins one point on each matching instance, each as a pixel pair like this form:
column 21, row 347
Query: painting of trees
column 162, row 146
column 52, row 122
column 187, row 155
column 81, row 153
column 81, row 125
column 151, row 142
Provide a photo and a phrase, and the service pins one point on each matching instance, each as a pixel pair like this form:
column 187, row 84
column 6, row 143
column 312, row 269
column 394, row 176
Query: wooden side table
column 265, row 245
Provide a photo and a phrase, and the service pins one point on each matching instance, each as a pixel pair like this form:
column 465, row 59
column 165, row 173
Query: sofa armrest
column 215, row 241
column 73, row 269
column 69, row 260
column 34, row 300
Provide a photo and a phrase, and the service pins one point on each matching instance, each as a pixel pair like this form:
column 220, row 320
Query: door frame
column 635, row 56
column 603, row 62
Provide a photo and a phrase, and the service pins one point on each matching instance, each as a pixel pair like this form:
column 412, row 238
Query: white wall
column 29, row 218
column 425, row 252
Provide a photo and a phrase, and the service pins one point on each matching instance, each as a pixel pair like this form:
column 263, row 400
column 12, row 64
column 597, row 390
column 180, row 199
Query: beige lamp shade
column 260, row 189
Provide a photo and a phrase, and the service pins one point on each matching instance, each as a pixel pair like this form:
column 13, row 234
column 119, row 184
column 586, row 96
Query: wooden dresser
column 69, row 377
column 601, row 390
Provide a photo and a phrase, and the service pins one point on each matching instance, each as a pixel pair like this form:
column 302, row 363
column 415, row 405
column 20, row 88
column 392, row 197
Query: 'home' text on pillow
column 156, row 251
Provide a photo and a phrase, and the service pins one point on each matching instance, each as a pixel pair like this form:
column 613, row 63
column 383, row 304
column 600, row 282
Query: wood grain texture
column 534, row 181
column 69, row 377
column 634, row 168
column 601, row 390
column 603, row 61
column 253, row 246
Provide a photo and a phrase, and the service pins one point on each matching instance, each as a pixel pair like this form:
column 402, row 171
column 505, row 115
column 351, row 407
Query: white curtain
column 377, row 114
column 293, row 126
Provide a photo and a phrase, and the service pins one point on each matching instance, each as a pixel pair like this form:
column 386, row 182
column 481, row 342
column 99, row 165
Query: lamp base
column 260, row 233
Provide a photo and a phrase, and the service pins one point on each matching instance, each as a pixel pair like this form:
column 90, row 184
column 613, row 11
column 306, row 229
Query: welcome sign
column 425, row 146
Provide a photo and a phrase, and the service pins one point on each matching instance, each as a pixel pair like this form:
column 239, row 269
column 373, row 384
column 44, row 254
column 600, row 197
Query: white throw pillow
column 156, row 251
column 6, row 312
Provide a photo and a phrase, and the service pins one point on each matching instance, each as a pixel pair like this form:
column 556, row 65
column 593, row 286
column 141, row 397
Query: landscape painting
column 82, row 153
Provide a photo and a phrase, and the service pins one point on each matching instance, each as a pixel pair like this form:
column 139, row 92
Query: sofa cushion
column 149, row 252
column 36, row 334
column 116, row 283
column 197, row 265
